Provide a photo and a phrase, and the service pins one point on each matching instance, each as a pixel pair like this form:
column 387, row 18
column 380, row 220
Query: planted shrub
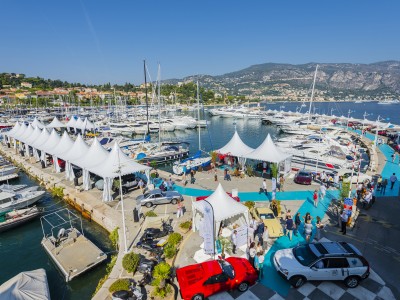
column 170, row 250
column 151, row 213
column 174, row 238
column 130, row 262
column 119, row 285
column 161, row 273
column 114, row 237
column 185, row 225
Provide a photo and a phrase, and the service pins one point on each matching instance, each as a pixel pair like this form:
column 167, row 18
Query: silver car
column 157, row 196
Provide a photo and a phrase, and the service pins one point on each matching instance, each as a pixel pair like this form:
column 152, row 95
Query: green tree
column 130, row 262
column 161, row 274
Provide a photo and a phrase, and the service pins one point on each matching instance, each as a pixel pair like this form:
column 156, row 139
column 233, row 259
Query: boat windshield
column 304, row 255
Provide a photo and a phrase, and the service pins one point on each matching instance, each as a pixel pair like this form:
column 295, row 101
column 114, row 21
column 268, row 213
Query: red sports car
column 200, row 281
column 205, row 197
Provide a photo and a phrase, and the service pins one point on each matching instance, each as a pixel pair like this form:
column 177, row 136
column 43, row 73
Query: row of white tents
column 94, row 158
column 83, row 125
column 267, row 151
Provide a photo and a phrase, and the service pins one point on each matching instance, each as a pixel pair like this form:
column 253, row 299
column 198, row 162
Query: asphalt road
column 377, row 236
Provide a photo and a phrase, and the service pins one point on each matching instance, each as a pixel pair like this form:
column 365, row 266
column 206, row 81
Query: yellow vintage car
column 92, row 134
column 266, row 215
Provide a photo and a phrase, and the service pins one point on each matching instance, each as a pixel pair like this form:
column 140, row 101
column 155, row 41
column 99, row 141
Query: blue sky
column 101, row 41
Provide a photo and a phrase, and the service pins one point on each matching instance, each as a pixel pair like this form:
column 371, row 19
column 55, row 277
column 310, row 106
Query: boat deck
column 8, row 177
column 73, row 254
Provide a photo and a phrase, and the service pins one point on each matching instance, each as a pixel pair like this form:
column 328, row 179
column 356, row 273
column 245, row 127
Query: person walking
column 308, row 227
column 141, row 185
column 260, row 231
column 265, row 238
column 383, row 186
column 319, row 226
column 344, row 217
column 179, row 212
column 393, row 157
column 289, row 227
column 215, row 175
column 253, row 225
column 263, row 188
column 315, row 198
column 379, row 182
column 252, row 253
column 192, row 179
column 393, row 179
column 260, row 265
column 297, row 223
column 281, row 183
column 234, row 241
column 322, row 191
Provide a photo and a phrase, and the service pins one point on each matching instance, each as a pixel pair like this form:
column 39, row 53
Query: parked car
column 155, row 197
column 267, row 216
column 129, row 182
column 322, row 261
column 346, row 175
column 199, row 281
column 303, row 177
column 205, row 197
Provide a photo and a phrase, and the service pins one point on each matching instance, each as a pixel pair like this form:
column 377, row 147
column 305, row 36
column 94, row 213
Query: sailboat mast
column 159, row 105
column 147, row 101
column 312, row 94
column 198, row 113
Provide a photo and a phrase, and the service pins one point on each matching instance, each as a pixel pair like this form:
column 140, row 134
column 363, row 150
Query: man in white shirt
column 367, row 200
column 263, row 189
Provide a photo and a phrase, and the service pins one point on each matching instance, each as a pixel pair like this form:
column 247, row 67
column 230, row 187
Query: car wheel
column 173, row 201
column 297, row 281
column 124, row 191
column 352, row 281
column 244, row 286
column 198, row 297
column 149, row 204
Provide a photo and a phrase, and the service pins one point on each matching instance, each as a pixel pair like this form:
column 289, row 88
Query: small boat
column 12, row 187
column 7, row 170
column 10, row 200
column 192, row 163
column 14, row 218
column 8, row 177
column 387, row 102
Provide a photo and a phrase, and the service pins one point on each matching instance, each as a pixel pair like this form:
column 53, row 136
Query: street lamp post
column 348, row 117
column 122, row 204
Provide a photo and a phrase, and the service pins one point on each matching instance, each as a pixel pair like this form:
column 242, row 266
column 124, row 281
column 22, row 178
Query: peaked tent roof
column 43, row 137
column 14, row 129
column 37, row 123
column 24, row 137
column 267, row 151
column 235, row 147
column 79, row 123
column 224, row 206
column 110, row 167
column 53, row 141
column 71, row 122
column 29, row 285
column 87, row 125
column 56, row 123
column 94, row 156
column 78, row 149
column 20, row 131
column 34, row 136
column 63, row 146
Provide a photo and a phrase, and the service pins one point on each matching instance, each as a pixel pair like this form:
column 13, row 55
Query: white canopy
column 78, row 149
column 116, row 159
column 34, row 136
column 79, row 123
column 71, row 122
column 28, row 132
column 87, row 125
column 224, row 206
column 43, row 137
column 63, row 146
column 14, row 129
column 235, row 147
column 52, row 142
column 56, row 123
column 94, row 156
column 37, row 123
column 29, row 285
column 267, row 151
column 17, row 135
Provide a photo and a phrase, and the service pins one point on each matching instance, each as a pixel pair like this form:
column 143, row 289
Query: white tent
column 56, row 123
column 117, row 164
column 225, row 208
column 78, row 149
column 29, row 285
column 93, row 157
column 87, row 125
column 13, row 130
column 79, row 124
column 71, row 123
column 51, row 142
column 43, row 137
column 34, row 136
column 63, row 146
column 235, row 147
column 267, row 151
column 37, row 123
column 19, row 134
column 25, row 136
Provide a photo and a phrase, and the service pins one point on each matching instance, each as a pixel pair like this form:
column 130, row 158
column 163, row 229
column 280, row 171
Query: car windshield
column 227, row 268
column 267, row 216
column 304, row 255
column 304, row 174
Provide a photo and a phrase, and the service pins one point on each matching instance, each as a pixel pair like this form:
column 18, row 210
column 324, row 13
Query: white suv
column 322, row 261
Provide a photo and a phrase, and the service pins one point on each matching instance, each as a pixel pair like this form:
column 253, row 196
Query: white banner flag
column 207, row 228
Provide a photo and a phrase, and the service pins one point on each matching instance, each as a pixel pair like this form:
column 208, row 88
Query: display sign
column 242, row 235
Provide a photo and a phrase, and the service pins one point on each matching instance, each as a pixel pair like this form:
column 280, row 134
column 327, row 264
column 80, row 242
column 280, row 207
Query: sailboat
column 200, row 158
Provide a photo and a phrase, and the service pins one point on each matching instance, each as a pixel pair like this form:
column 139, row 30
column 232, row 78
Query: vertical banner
column 207, row 227
column 241, row 235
